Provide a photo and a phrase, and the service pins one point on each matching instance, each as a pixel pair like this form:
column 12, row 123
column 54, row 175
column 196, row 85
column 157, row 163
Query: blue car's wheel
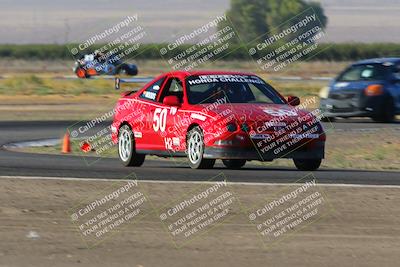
column 386, row 112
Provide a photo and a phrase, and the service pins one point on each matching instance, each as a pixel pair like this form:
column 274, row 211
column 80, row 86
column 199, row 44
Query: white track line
column 193, row 182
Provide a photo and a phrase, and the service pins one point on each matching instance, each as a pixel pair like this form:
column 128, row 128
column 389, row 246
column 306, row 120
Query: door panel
column 146, row 139
column 173, row 132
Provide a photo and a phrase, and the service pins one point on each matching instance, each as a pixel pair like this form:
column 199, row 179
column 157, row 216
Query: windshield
column 236, row 88
column 364, row 73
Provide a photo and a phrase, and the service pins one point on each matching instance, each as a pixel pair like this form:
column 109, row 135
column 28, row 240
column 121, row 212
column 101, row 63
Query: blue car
column 368, row 88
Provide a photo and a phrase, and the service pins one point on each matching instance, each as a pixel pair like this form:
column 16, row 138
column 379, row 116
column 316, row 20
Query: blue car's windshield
column 367, row 72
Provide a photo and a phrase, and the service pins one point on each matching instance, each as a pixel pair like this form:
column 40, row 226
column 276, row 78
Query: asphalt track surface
column 41, row 165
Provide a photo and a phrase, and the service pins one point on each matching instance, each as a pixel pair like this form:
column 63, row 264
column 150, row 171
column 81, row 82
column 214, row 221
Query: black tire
column 234, row 164
column 195, row 150
column 387, row 112
column 126, row 148
column 328, row 119
column 307, row 164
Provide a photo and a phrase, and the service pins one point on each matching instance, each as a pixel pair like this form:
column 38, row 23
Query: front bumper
column 359, row 107
column 314, row 150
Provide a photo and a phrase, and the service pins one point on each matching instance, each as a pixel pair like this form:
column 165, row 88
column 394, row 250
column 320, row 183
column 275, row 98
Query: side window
column 173, row 87
column 152, row 91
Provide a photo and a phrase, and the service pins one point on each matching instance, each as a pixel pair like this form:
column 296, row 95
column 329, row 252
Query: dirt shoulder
column 55, row 107
column 361, row 229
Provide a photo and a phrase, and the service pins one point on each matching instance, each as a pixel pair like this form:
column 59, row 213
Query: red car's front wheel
column 234, row 164
column 195, row 150
column 307, row 164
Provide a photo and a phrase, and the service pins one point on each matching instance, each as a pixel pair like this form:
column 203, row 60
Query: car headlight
column 324, row 92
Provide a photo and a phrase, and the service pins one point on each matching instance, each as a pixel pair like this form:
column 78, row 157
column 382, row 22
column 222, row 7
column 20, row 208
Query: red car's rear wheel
column 126, row 148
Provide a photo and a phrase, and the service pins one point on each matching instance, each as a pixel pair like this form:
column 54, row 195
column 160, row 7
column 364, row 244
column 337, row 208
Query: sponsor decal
column 150, row 95
column 176, row 141
column 138, row 134
column 169, row 142
column 275, row 124
column 225, row 78
column 160, row 119
column 173, row 110
column 198, row 116
column 304, row 136
column 260, row 136
column 281, row 112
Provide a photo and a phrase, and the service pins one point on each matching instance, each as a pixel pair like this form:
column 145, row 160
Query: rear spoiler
column 118, row 81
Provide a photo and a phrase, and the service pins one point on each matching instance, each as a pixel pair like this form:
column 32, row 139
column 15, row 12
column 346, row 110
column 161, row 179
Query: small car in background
column 96, row 64
column 368, row 88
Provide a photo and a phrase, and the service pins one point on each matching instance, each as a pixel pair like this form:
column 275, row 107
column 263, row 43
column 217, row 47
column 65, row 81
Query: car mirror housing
column 172, row 100
column 293, row 100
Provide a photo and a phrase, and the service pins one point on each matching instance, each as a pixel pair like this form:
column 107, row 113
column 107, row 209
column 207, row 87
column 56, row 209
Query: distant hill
column 49, row 21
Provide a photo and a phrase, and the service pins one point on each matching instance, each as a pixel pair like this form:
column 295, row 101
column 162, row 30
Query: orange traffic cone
column 66, row 145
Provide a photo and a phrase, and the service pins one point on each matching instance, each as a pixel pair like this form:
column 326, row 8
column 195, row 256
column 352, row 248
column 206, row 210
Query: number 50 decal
column 160, row 119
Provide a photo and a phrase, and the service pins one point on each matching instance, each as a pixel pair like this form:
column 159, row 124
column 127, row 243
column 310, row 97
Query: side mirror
column 293, row 100
column 172, row 100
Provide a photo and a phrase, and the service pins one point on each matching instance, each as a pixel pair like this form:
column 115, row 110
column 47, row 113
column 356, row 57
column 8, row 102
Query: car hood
column 256, row 112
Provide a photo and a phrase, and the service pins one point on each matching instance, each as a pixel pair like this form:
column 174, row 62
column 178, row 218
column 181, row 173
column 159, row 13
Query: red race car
column 209, row 115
